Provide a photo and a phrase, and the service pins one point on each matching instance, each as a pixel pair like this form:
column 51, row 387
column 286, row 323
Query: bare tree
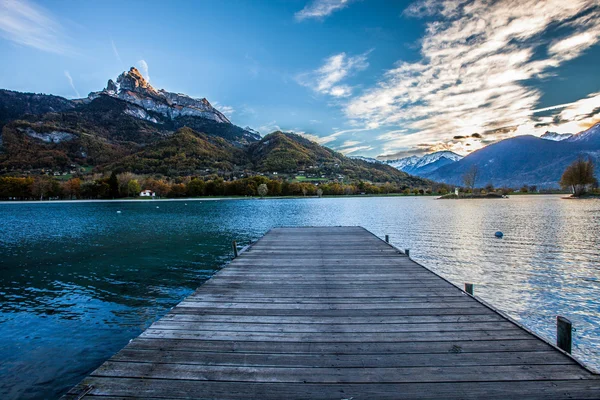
column 470, row 177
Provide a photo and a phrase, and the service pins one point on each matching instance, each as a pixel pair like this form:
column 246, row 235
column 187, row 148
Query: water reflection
column 79, row 280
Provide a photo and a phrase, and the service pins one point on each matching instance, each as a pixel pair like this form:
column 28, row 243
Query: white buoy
column 156, row 206
column 118, row 212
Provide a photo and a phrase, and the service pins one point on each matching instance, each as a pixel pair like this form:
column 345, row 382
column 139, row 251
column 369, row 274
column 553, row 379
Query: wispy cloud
column 70, row 79
column 319, row 9
column 353, row 149
column 144, row 69
column 478, row 61
column 328, row 78
column 227, row 110
column 27, row 24
column 116, row 52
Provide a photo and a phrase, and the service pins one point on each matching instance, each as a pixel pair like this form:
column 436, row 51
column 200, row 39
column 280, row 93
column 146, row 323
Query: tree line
column 123, row 185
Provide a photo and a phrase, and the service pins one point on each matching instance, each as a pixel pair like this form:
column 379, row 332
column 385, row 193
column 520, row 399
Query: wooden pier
column 335, row 313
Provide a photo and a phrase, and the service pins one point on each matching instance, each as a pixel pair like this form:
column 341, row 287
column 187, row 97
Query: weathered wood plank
column 341, row 360
column 480, row 373
column 182, row 389
column 399, row 348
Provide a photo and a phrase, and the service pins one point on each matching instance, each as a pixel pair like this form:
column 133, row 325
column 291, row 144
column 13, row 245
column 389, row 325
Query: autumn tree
column 579, row 176
column 133, row 188
column 262, row 190
column 72, row 188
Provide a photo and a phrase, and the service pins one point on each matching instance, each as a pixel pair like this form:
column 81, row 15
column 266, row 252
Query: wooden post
column 387, row 238
column 235, row 253
column 564, row 330
column 469, row 288
column 407, row 252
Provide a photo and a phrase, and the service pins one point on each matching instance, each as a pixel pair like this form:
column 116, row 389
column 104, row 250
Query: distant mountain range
column 524, row 160
column 131, row 126
column 422, row 165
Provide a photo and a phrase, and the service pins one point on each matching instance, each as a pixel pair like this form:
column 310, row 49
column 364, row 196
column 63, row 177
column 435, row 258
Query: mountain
column 523, row 160
column 291, row 153
column 423, row 165
column 133, row 88
column 131, row 126
column 173, row 110
column 557, row 137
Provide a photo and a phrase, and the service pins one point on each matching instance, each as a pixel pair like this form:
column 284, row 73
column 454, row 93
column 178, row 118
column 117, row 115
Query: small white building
column 147, row 193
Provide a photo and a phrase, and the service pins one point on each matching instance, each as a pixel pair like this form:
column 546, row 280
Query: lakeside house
column 147, row 193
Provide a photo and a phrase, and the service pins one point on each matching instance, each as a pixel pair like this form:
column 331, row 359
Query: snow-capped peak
column 556, row 137
column 589, row 134
column 419, row 162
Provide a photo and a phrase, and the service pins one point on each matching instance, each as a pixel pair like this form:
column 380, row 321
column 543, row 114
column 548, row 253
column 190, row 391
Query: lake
column 79, row 280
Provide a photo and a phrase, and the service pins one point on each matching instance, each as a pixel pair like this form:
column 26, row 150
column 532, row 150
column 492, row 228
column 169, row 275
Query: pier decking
column 334, row 313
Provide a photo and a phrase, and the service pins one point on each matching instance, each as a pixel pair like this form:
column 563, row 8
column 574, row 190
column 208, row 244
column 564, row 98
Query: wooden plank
column 324, row 348
column 479, row 373
column 341, row 360
column 182, row 389
column 334, row 313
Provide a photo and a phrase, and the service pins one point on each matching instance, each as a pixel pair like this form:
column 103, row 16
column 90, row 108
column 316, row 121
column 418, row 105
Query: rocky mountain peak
column 133, row 80
column 134, row 89
column 111, row 86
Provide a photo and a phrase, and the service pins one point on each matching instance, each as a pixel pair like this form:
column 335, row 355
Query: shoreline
column 131, row 200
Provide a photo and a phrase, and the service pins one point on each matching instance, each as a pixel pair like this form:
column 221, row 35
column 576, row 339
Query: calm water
column 78, row 280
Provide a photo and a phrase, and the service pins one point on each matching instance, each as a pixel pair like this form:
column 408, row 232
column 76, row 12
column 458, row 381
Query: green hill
column 291, row 153
column 186, row 152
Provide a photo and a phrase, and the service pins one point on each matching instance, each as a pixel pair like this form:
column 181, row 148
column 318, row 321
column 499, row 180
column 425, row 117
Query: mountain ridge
column 523, row 160
column 129, row 126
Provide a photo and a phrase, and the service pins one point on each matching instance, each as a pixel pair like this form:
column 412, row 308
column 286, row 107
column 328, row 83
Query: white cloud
column 269, row 127
column 349, row 143
column 70, row 79
column 116, row 52
column 321, row 8
column 327, row 79
column 478, row 59
column 349, row 150
column 227, row 110
column 27, row 24
column 144, row 69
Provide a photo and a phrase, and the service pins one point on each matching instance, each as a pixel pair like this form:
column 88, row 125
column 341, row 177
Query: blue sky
column 364, row 77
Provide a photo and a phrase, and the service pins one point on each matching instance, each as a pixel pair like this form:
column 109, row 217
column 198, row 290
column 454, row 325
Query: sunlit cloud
column 349, row 150
column 478, row 60
column 328, row 78
column 226, row 110
column 70, row 79
column 144, row 69
column 318, row 9
column 28, row 24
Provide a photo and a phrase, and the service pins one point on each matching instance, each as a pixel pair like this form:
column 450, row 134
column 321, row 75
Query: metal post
column 564, row 330
column 387, row 238
column 407, row 252
column 235, row 253
column 469, row 288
